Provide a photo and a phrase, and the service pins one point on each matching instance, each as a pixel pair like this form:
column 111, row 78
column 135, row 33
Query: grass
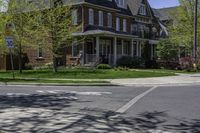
column 85, row 74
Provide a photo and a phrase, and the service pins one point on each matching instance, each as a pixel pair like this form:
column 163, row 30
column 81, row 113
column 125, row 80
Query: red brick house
column 114, row 28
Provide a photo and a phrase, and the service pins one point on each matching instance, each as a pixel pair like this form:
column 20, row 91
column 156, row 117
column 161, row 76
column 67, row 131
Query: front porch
column 107, row 49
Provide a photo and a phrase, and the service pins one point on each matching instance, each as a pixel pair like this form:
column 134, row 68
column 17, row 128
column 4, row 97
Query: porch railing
column 91, row 59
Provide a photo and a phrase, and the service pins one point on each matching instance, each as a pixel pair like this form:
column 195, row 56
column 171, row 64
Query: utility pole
column 195, row 31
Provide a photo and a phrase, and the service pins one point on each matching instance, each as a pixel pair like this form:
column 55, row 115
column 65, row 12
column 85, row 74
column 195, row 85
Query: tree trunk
column 20, row 58
column 55, row 67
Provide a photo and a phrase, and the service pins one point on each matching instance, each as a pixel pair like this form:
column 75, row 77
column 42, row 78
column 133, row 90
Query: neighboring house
column 165, row 19
column 112, row 29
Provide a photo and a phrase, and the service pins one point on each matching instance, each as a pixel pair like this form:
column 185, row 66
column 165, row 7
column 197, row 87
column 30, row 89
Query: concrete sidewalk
column 171, row 80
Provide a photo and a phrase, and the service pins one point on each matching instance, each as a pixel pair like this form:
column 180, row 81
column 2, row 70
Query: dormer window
column 142, row 10
column 120, row 3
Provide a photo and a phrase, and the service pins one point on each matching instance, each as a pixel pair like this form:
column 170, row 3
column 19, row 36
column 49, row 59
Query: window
column 75, row 50
column 117, row 24
column 40, row 51
column 141, row 29
column 109, row 20
column 124, row 25
column 74, row 17
column 134, row 29
column 100, row 18
column 142, row 10
column 91, row 16
column 120, row 3
column 126, row 48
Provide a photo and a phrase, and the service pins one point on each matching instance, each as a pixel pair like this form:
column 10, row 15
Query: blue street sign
column 9, row 41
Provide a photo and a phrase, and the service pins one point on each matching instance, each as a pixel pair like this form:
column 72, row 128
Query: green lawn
column 86, row 74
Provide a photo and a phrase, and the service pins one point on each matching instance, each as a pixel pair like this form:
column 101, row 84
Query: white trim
column 97, row 47
column 137, row 47
column 115, row 50
column 122, row 43
column 132, row 48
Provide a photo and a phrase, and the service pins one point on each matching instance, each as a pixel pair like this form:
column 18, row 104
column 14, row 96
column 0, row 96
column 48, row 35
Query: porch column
column 83, row 52
column 97, row 47
column 137, row 51
column 115, row 51
column 132, row 48
column 122, row 43
column 140, row 49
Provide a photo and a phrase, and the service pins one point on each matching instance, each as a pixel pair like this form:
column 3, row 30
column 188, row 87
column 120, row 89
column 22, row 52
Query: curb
column 54, row 84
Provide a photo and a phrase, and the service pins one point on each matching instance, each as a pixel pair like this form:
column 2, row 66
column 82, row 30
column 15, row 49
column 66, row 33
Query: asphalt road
column 156, row 109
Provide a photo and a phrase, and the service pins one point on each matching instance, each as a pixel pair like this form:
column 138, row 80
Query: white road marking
column 124, row 108
column 158, row 131
column 17, row 94
column 91, row 93
column 40, row 91
column 74, row 92
column 53, row 92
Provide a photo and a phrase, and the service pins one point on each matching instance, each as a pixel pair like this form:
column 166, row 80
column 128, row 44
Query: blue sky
column 163, row 3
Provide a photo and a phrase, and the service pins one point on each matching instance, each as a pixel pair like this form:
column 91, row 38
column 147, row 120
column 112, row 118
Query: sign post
column 10, row 45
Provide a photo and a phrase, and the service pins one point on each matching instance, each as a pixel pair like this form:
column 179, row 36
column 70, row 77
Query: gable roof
column 134, row 6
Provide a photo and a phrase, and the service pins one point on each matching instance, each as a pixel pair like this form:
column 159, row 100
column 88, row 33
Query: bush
column 103, row 66
column 48, row 65
column 121, row 69
column 130, row 62
column 186, row 63
column 174, row 65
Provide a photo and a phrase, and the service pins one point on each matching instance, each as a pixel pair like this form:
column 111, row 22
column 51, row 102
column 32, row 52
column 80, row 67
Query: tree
column 56, row 28
column 19, row 15
column 181, row 30
column 167, row 50
column 48, row 22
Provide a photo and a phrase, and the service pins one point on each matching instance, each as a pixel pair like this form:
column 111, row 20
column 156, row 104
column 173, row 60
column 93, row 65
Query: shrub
column 186, row 63
column 174, row 65
column 48, row 65
column 130, row 62
column 121, row 69
column 103, row 66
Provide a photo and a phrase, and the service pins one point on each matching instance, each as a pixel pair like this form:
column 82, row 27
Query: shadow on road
column 60, row 113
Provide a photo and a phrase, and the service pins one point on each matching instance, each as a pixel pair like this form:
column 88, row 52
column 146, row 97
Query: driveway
column 170, row 80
